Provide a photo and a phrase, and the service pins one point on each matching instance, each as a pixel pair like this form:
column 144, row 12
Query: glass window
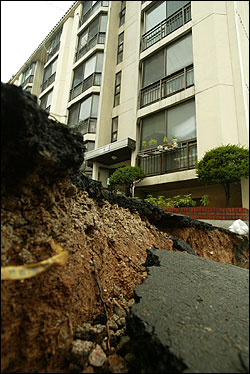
column 117, row 88
column 103, row 23
column 83, row 39
column 78, row 75
column 179, row 54
column 114, row 131
column 99, row 62
column 153, row 68
column 95, row 106
column 173, row 6
column 122, row 13
column 181, row 121
column 93, row 29
column 153, row 127
column 73, row 115
column 120, row 48
column 46, row 100
column 155, row 15
column 85, row 109
column 90, row 66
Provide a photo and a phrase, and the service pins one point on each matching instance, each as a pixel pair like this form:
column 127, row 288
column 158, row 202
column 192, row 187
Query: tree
column 224, row 165
column 127, row 176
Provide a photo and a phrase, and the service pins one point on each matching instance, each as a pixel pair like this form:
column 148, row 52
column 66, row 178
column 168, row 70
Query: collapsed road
column 55, row 321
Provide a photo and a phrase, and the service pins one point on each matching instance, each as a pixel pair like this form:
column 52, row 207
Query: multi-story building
column 131, row 76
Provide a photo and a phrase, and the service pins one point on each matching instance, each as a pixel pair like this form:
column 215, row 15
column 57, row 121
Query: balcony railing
column 93, row 80
column 167, row 86
column 48, row 82
column 29, row 79
column 52, row 52
column 91, row 11
column 164, row 28
column 86, row 126
column 97, row 39
column 162, row 162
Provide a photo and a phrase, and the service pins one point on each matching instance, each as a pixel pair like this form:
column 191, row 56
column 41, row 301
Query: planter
column 212, row 213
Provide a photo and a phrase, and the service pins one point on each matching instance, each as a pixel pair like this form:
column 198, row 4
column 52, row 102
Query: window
column 83, row 115
column 93, row 34
column 179, row 54
column 122, row 13
column 177, row 121
column 89, row 7
column 120, row 48
column 49, row 74
column 173, row 6
column 153, row 68
column 54, row 45
column 114, row 131
column 155, row 15
column 45, row 101
column 117, row 88
column 27, row 73
column 166, row 62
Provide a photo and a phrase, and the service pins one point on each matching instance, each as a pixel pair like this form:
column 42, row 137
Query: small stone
column 121, row 322
column 118, row 309
column 112, row 324
column 116, row 364
column 81, row 348
column 97, row 357
column 83, row 331
column 98, row 333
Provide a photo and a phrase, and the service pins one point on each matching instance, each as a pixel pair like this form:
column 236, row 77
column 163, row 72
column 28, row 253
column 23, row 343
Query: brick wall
column 212, row 213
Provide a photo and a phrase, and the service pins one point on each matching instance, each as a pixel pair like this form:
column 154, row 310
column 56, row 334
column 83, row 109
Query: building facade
column 149, row 83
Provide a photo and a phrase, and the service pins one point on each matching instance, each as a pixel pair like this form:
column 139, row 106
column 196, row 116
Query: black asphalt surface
column 198, row 311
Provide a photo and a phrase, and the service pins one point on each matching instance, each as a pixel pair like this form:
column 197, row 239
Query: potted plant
column 144, row 144
column 174, row 142
column 165, row 141
column 152, row 142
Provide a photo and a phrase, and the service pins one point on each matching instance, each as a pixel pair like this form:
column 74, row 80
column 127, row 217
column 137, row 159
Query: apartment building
column 149, row 83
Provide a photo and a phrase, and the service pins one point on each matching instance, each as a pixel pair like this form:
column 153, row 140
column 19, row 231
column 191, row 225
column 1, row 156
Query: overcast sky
column 24, row 25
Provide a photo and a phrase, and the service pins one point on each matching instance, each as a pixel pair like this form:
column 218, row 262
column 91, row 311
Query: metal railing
column 93, row 80
column 91, row 11
column 48, row 82
column 51, row 53
column 29, row 79
column 86, row 126
column 167, row 86
column 164, row 28
column 154, row 162
column 97, row 39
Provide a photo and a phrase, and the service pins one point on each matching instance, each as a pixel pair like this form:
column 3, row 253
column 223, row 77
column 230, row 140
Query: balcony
column 48, row 82
column 93, row 80
column 154, row 162
column 167, row 86
column 29, row 79
column 166, row 27
column 91, row 11
column 88, row 126
column 97, row 39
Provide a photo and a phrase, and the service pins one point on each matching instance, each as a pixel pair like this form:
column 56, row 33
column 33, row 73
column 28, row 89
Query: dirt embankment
column 44, row 198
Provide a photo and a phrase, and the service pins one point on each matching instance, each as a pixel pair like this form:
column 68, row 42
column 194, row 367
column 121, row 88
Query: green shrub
column 204, row 200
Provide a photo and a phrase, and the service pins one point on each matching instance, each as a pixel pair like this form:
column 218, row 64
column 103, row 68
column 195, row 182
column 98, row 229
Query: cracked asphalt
column 198, row 310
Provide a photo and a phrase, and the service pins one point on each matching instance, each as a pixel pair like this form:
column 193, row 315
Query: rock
column 83, row 331
column 112, row 324
column 98, row 333
column 116, row 364
column 97, row 357
column 80, row 351
column 121, row 321
column 118, row 309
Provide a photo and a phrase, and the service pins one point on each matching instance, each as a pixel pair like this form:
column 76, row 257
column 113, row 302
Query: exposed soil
column 40, row 315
